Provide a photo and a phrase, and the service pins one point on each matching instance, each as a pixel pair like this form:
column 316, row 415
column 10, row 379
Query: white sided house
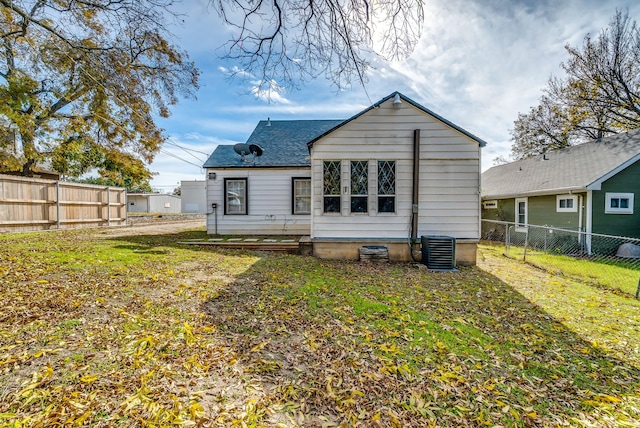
column 388, row 176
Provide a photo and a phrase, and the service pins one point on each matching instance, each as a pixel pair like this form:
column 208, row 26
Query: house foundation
column 398, row 251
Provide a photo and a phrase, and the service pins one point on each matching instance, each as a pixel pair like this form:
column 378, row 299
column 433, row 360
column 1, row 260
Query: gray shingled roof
column 570, row 169
column 284, row 143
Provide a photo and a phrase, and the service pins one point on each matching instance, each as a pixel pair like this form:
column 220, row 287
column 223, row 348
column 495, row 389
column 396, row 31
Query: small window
column 331, row 186
column 359, row 186
column 301, row 196
column 619, row 203
column 490, row 205
column 235, row 190
column 132, row 203
column 386, row 186
column 566, row 203
column 521, row 214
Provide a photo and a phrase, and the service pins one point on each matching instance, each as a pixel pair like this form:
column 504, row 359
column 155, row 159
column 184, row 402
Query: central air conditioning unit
column 439, row 252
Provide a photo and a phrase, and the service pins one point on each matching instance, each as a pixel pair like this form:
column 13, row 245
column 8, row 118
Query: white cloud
column 235, row 71
column 269, row 91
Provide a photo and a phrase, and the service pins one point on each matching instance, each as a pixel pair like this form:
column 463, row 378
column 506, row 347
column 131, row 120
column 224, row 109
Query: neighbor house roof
column 576, row 168
column 284, row 144
column 482, row 143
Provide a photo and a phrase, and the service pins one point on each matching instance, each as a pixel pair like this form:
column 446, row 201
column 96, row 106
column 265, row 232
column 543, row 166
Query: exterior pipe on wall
column 416, row 178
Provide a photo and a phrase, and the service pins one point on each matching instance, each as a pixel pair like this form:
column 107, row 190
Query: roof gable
column 481, row 142
column 581, row 167
column 283, row 142
column 286, row 143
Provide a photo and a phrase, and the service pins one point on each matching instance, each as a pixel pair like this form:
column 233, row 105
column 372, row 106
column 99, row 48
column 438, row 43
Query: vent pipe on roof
column 397, row 102
column 268, row 121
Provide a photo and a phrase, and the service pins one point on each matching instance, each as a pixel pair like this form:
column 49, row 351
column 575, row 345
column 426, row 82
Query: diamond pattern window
column 359, row 186
column 386, row 186
column 331, row 186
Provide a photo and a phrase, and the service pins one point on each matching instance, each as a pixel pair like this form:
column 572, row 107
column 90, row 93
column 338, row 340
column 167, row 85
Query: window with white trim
column 301, row 196
column 359, row 186
column 566, row 203
column 331, row 186
column 386, row 186
column 235, row 190
column 521, row 214
column 618, row 203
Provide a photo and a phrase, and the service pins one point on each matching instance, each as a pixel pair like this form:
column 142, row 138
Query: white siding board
column 269, row 203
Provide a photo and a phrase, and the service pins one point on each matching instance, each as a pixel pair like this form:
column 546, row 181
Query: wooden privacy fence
column 28, row 204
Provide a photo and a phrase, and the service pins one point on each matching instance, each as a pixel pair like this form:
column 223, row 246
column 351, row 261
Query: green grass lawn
column 98, row 330
column 606, row 272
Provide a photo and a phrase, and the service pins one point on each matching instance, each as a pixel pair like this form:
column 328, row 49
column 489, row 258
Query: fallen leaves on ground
column 140, row 331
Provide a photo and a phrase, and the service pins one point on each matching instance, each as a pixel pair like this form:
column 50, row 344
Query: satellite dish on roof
column 242, row 149
column 255, row 150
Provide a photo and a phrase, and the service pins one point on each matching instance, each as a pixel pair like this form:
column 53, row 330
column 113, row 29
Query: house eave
column 254, row 167
column 597, row 184
column 546, row 192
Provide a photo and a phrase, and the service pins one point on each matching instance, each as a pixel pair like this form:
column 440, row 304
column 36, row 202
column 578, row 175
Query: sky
column 478, row 64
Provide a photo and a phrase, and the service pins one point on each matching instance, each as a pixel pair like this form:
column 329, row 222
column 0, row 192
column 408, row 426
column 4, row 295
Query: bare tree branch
column 293, row 41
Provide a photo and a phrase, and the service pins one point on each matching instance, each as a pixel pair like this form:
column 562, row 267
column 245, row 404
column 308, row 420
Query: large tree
column 598, row 96
column 80, row 82
column 288, row 41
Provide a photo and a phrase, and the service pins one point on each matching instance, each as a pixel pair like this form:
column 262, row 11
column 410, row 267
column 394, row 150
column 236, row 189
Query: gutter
column 560, row 190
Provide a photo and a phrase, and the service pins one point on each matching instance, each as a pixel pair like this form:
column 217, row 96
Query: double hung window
column 235, row 190
column 301, row 196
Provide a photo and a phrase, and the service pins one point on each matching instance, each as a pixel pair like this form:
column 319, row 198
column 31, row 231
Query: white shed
column 152, row 203
column 193, row 196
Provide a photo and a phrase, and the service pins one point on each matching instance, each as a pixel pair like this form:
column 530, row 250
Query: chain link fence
column 608, row 261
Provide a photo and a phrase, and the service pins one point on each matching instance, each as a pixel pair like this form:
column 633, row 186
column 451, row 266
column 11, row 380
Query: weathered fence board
column 29, row 204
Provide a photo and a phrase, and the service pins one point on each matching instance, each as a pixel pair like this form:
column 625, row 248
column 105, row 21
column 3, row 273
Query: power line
column 188, row 151
column 178, row 157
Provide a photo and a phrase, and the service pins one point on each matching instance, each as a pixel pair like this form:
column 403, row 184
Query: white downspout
column 589, row 224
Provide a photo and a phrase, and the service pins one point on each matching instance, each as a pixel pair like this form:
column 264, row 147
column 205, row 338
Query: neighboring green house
column 589, row 187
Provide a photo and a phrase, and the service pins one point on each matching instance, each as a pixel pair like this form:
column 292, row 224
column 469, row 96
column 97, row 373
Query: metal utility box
column 439, row 252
